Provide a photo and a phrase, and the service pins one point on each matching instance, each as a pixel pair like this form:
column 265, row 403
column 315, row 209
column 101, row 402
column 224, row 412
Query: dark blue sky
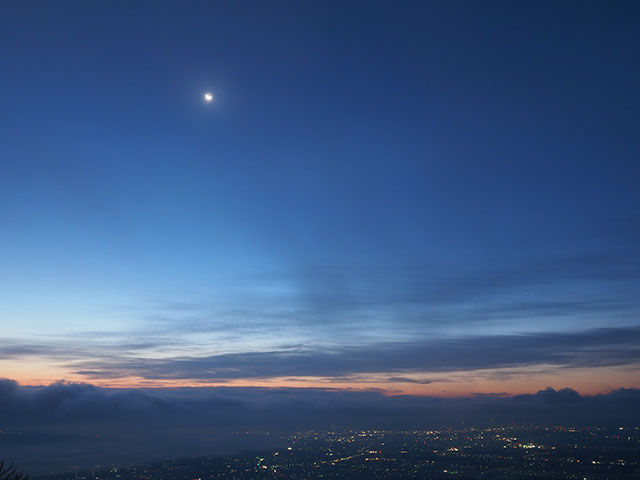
column 373, row 177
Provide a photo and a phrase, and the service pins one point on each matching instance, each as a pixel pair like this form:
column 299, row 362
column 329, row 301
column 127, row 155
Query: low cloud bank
column 64, row 426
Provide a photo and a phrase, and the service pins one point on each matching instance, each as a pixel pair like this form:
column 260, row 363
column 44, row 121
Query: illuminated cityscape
column 505, row 452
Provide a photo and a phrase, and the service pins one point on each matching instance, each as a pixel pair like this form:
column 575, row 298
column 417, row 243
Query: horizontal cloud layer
column 593, row 348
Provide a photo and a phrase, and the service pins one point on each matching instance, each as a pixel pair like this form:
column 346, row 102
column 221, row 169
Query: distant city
column 505, row 452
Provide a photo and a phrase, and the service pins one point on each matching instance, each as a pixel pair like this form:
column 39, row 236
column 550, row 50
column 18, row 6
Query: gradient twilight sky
column 435, row 198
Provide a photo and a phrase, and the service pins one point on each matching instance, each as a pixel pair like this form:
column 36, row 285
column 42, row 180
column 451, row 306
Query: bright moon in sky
column 208, row 97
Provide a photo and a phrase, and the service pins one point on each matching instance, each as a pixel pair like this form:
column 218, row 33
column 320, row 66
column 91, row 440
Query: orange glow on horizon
column 508, row 382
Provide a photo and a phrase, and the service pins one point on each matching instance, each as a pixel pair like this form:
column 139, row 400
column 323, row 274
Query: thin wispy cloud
column 611, row 347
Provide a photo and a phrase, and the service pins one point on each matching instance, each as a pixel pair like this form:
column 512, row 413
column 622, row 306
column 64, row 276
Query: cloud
column 565, row 396
column 418, row 297
column 388, row 319
column 407, row 380
column 439, row 285
column 591, row 348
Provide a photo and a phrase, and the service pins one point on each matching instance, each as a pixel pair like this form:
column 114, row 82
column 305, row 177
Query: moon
column 208, row 97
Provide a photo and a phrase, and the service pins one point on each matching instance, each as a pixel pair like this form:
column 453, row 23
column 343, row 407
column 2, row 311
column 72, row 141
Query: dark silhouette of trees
column 10, row 472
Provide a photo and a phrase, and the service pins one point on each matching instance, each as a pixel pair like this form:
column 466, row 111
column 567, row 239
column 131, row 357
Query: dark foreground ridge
column 507, row 452
column 11, row 472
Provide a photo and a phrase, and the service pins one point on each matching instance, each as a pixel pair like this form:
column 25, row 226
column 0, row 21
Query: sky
column 387, row 199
